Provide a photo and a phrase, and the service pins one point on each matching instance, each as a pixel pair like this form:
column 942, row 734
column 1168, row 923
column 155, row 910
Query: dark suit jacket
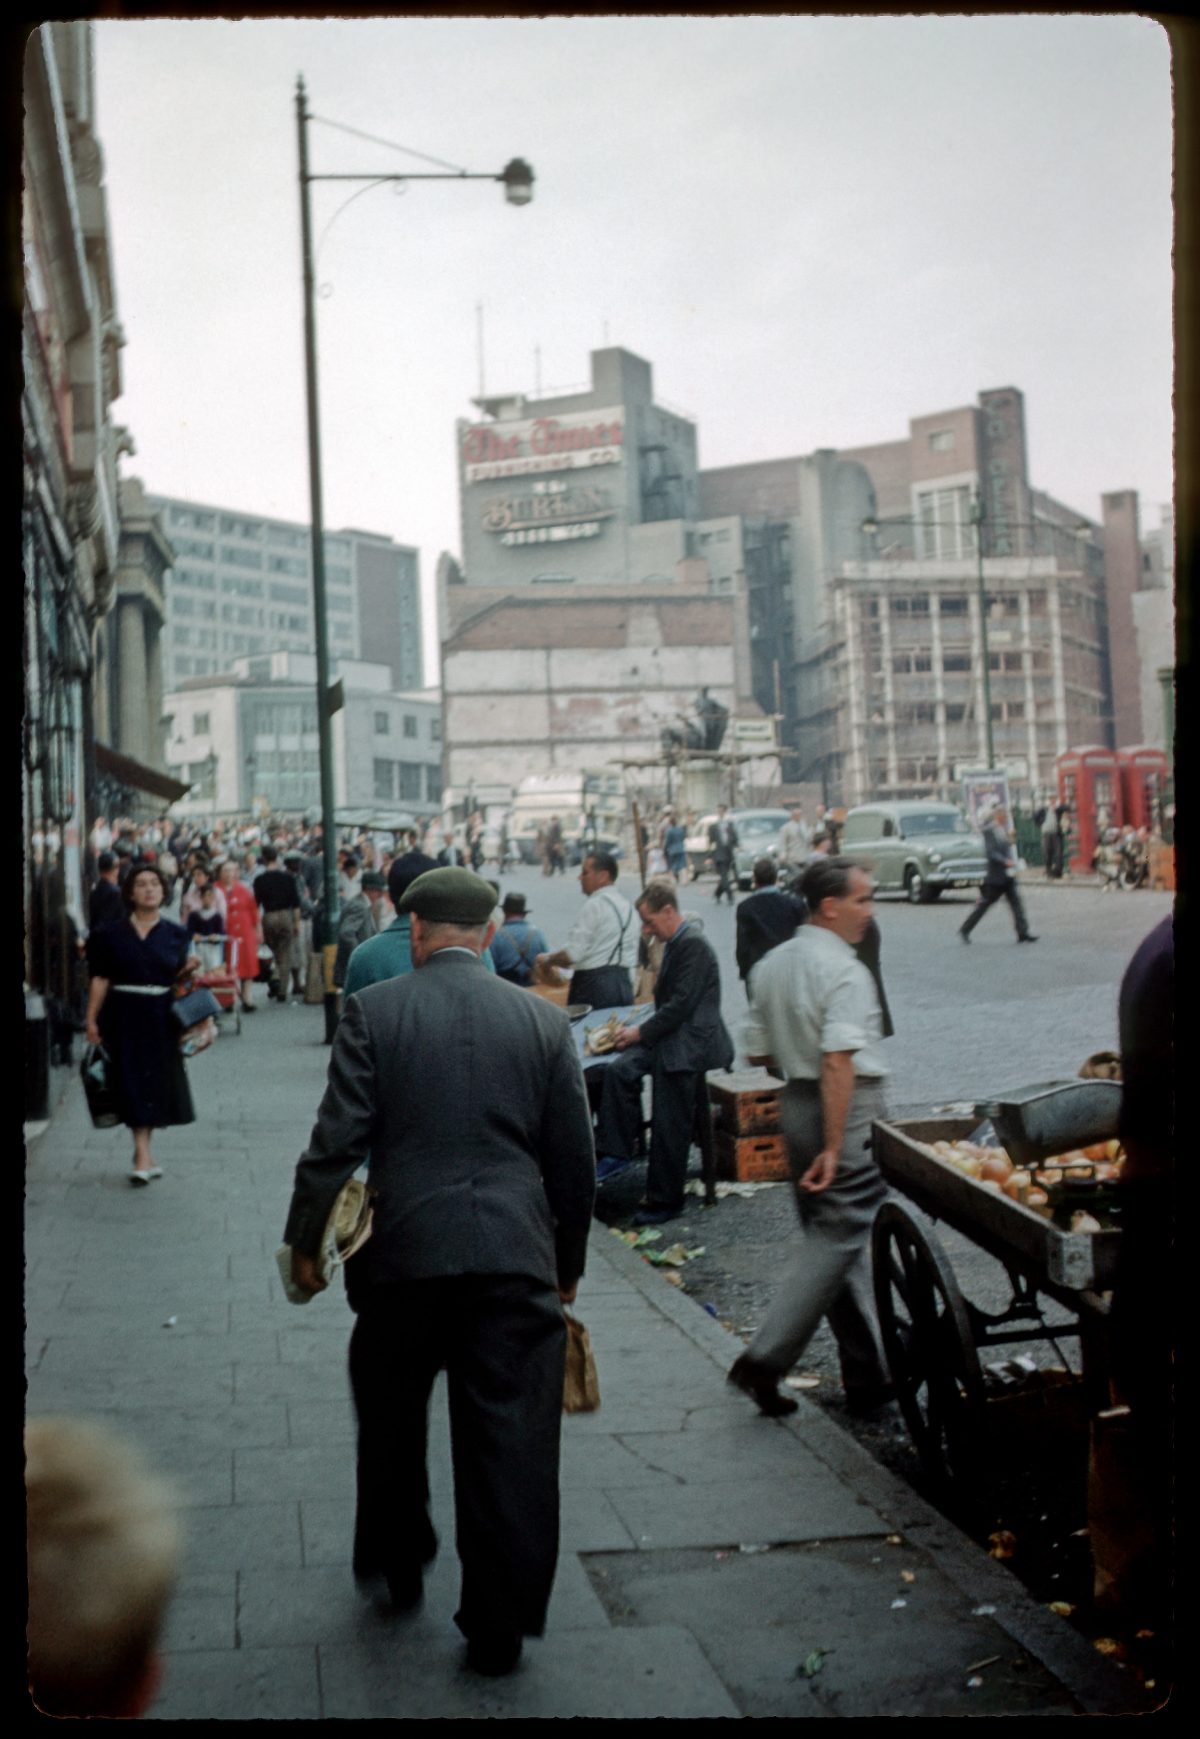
column 686, row 1031
column 468, row 1096
column 766, row 919
column 105, row 905
column 722, row 853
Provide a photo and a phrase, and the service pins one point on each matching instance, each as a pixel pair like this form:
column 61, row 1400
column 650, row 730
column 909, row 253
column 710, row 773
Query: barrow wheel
column 929, row 1345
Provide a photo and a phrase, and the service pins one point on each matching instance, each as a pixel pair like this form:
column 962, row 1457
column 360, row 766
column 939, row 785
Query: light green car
column 915, row 849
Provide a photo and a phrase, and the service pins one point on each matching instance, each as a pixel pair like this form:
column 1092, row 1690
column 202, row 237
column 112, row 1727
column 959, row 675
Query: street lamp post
column 977, row 517
column 517, row 178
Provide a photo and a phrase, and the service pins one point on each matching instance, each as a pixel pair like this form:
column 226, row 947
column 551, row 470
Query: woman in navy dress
column 135, row 966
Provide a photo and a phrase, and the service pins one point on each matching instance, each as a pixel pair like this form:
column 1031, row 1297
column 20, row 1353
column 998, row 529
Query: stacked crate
column 745, row 1108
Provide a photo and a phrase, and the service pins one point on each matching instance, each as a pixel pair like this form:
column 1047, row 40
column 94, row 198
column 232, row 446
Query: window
column 280, row 594
column 248, row 528
column 410, row 725
column 193, row 518
column 241, row 558
column 193, row 546
column 200, row 724
column 955, row 713
column 944, row 522
column 383, row 725
column 953, row 661
column 181, row 636
column 410, row 782
column 287, row 538
column 942, row 441
column 385, row 779
column 435, row 730
column 954, row 606
column 433, row 784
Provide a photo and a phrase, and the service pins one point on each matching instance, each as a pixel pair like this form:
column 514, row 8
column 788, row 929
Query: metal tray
column 1071, row 1261
column 1036, row 1123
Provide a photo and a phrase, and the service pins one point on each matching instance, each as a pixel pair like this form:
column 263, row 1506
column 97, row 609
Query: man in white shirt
column 794, row 841
column 815, row 1010
column 602, row 944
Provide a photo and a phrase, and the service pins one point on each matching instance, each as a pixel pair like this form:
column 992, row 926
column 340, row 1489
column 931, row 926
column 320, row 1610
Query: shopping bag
column 581, row 1385
column 99, row 1087
column 194, row 1008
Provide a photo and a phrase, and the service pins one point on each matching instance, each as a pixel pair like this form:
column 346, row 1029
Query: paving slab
column 261, row 1684
column 245, row 1404
column 658, row 1672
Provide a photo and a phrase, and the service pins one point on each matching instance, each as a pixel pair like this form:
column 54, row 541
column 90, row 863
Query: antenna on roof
column 479, row 345
column 537, row 367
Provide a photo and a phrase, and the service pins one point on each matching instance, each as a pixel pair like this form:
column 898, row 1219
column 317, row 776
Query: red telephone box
column 1089, row 784
column 1144, row 774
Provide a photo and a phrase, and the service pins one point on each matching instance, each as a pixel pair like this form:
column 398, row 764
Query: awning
column 138, row 777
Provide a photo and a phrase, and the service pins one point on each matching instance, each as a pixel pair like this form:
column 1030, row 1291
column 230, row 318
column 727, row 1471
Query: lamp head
column 518, row 182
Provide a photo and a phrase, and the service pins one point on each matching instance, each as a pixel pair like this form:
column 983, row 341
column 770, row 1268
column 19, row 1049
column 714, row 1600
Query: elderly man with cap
column 358, row 920
column 469, row 1100
column 389, row 954
column 517, row 942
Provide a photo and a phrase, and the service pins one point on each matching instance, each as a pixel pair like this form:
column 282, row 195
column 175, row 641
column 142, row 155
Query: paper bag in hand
column 581, row 1386
column 346, row 1231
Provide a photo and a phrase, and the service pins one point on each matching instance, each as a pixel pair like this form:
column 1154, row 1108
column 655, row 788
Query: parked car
column 758, row 836
column 916, row 849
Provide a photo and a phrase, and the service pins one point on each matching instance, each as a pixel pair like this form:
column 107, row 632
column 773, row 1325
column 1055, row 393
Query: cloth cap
column 514, row 905
column 450, row 896
column 373, row 879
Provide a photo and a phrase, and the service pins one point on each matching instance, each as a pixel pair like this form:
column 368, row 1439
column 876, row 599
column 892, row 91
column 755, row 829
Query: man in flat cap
column 468, row 1096
column 389, row 954
column 358, row 920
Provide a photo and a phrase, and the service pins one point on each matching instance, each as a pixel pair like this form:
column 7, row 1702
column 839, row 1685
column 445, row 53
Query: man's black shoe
column 863, row 1402
column 493, row 1656
column 406, row 1587
column 1026, row 938
column 963, row 936
column 762, row 1386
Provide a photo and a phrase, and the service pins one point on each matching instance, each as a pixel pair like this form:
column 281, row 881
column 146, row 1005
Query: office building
column 241, row 586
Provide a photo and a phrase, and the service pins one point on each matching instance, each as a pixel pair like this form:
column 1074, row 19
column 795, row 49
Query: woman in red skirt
column 242, row 921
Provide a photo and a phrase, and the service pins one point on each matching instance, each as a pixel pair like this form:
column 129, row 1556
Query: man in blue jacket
column 681, row 1041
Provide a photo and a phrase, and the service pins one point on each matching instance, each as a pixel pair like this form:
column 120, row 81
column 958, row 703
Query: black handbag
column 194, row 1008
column 99, row 1087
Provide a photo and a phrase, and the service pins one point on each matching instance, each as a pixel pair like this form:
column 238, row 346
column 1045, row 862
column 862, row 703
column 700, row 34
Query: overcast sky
column 813, row 228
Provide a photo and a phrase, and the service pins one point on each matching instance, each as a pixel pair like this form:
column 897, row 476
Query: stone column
column 154, row 756
column 131, row 680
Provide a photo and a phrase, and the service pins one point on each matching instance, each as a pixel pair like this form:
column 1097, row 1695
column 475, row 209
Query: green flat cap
column 450, row 896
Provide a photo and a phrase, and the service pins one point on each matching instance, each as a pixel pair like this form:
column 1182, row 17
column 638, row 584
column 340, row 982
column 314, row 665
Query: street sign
column 754, row 733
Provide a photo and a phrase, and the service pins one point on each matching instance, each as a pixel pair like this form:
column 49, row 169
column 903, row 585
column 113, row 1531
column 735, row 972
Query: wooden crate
column 745, row 1102
column 1162, row 867
column 751, row 1158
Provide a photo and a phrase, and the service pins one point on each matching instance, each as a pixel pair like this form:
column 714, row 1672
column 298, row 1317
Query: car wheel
column 914, row 888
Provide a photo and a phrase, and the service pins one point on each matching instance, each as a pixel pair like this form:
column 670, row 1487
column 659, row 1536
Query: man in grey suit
column 468, row 1096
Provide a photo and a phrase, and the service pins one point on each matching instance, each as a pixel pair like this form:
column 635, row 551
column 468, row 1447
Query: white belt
column 142, row 989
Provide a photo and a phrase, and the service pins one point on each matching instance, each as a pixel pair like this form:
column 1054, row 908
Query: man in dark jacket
column 676, row 1046
column 1000, row 877
column 105, row 905
column 770, row 916
column 469, row 1099
column 722, row 838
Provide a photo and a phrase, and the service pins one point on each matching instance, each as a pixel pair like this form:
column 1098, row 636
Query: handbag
column 99, row 1088
column 194, row 1009
column 581, row 1385
column 346, row 1231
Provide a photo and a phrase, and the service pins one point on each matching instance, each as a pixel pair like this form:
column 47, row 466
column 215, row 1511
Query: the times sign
column 541, row 445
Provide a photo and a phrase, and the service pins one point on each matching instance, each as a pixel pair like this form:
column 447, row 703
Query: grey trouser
column 279, row 936
column 830, row 1276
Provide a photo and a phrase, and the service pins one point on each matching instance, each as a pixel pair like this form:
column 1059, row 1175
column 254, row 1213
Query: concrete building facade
column 249, row 737
column 592, row 603
column 240, row 585
column 864, row 590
